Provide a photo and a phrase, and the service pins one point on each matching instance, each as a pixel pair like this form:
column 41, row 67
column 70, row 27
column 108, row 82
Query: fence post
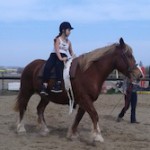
column 2, row 81
column 149, row 76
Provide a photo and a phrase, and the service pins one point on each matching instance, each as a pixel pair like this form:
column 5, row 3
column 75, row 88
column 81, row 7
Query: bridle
column 126, row 61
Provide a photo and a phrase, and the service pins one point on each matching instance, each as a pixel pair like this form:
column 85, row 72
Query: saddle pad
column 66, row 74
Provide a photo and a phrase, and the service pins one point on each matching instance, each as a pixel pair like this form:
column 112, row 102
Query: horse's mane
column 87, row 59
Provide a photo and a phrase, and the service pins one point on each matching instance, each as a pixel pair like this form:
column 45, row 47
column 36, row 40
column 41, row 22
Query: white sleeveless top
column 63, row 46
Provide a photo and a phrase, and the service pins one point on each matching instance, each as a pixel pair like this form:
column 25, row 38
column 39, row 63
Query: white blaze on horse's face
column 140, row 71
column 137, row 73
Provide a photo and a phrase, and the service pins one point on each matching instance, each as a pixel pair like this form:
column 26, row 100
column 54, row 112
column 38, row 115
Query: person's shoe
column 43, row 90
column 57, row 88
column 135, row 122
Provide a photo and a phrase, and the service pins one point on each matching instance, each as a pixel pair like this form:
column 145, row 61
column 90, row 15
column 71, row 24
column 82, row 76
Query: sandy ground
column 117, row 136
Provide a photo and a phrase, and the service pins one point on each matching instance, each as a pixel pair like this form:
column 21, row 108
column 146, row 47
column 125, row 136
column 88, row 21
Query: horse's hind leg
column 40, row 111
column 21, row 105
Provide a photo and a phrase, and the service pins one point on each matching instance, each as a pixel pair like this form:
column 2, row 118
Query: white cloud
column 80, row 11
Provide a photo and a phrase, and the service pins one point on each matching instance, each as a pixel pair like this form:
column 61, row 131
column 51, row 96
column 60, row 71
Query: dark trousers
column 133, row 106
column 53, row 61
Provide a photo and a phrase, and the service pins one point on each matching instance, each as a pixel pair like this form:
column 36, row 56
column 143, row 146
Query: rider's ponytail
column 60, row 33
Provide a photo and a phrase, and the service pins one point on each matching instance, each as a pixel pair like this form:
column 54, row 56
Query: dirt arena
column 117, row 135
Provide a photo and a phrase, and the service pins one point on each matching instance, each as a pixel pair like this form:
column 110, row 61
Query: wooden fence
column 4, row 80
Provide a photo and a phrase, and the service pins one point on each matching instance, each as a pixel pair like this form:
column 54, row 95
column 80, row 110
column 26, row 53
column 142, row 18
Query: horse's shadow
column 58, row 131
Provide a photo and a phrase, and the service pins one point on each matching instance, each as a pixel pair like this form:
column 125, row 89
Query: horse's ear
column 121, row 41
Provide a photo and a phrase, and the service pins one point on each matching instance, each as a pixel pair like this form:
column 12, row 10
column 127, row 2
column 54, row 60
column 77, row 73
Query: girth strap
column 68, row 85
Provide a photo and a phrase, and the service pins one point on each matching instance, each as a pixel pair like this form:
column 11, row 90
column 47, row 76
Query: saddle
column 68, row 74
column 52, row 74
column 72, row 70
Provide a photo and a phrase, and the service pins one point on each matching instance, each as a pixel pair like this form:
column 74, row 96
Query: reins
column 116, row 105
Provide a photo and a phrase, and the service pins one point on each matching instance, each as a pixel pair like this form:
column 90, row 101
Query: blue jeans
column 133, row 106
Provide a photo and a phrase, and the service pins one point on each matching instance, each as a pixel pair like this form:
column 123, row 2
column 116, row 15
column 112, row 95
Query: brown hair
column 60, row 33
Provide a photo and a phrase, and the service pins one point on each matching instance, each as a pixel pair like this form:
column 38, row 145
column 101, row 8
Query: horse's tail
column 17, row 103
column 27, row 89
column 22, row 99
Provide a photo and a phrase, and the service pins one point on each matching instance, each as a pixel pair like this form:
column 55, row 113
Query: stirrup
column 56, row 88
column 43, row 93
column 56, row 91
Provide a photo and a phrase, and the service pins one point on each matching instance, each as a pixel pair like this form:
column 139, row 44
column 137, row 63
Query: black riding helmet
column 64, row 26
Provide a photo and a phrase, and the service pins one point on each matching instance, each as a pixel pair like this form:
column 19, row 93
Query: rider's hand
column 74, row 55
column 65, row 59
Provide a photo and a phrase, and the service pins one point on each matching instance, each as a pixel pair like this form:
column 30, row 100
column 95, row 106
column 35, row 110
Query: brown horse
column 92, row 69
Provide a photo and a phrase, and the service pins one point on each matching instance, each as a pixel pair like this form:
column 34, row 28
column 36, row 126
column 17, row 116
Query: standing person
column 57, row 58
column 130, row 94
column 142, row 83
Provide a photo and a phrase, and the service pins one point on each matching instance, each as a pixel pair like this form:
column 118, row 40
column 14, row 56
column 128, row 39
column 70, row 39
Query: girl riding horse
column 91, row 71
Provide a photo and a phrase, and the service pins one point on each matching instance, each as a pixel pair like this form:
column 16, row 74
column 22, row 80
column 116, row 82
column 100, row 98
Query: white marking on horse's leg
column 96, row 135
column 20, row 127
column 98, row 128
column 44, row 129
column 71, row 135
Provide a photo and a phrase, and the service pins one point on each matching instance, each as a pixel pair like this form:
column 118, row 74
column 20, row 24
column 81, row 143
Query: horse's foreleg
column 125, row 108
column 96, row 133
column 41, row 120
column 122, row 113
column 73, row 130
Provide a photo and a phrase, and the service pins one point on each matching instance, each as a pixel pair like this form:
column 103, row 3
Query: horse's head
column 125, row 61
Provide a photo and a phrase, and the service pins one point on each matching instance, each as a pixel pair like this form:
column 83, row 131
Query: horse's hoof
column 21, row 129
column 97, row 137
column 72, row 136
column 44, row 132
column 119, row 119
column 21, row 133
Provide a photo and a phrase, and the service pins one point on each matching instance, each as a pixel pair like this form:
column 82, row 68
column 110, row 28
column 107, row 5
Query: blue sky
column 28, row 27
